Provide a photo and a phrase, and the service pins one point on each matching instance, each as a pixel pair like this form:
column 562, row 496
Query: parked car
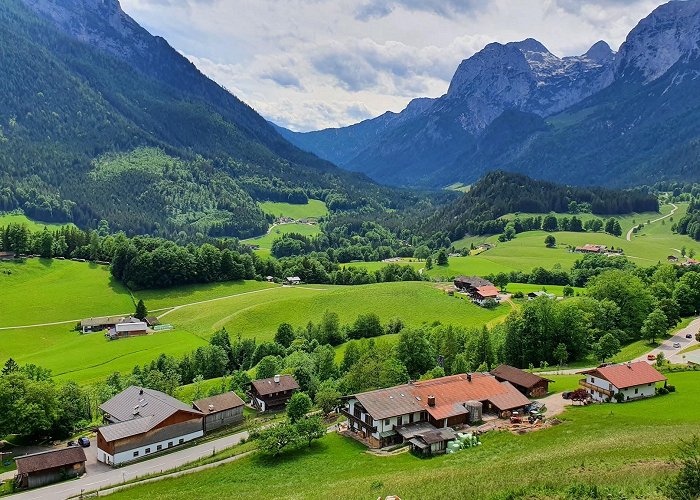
column 676, row 345
column 84, row 442
column 651, row 357
column 689, row 335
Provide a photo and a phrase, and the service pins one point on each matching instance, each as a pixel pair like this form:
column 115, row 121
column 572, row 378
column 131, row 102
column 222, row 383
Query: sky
column 313, row 64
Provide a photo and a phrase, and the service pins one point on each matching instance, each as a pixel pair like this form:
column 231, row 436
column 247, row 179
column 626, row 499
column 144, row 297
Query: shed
column 7, row 255
column 221, row 410
column 46, row 467
column 272, row 393
column 528, row 383
column 294, row 280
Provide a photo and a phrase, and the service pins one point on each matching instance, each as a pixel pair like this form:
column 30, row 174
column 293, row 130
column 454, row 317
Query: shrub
column 661, row 391
column 671, row 388
column 518, row 295
column 619, row 397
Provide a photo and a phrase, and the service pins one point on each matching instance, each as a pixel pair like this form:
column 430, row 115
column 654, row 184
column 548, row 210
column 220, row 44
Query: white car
column 676, row 345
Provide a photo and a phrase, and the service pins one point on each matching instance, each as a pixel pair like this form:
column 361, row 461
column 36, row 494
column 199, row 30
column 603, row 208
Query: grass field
column 32, row 225
column 312, row 209
column 617, row 447
column 265, row 242
column 258, row 315
column 44, row 291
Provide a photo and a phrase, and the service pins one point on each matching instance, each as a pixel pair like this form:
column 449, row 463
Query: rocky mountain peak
column 600, row 52
column 671, row 33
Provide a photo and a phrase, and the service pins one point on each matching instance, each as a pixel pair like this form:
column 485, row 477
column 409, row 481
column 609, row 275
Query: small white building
column 294, row 280
column 632, row 380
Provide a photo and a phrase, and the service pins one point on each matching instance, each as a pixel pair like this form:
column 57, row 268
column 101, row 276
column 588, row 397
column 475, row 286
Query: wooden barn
column 46, row 467
column 272, row 393
column 221, row 410
column 531, row 385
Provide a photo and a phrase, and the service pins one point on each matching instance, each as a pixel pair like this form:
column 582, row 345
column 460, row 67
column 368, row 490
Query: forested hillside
column 85, row 90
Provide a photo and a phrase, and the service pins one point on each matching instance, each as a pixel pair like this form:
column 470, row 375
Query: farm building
column 426, row 440
column 143, row 421
column 151, row 321
column 128, row 329
column 100, row 323
column 469, row 284
column 293, row 280
column 541, row 293
column 531, row 385
column 691, row 262
column 672, row 258
column 484, row 293
column 380, row 417
column 589, row 248
column 7, row 255
column 221, row 410
column 272, row 393
column 632, row 380
column 46, row 467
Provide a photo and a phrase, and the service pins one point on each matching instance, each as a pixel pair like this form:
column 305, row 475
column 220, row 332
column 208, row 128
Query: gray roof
column 151, row 407
column 222, row 402
column 50, row 459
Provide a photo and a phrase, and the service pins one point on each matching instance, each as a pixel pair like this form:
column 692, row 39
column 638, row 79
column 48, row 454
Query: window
column 181, row 441
column 136, row 453
column 636, row 391
column 148, row 450
column 592, row 380
column 159, row 447
column 387, row 421
column 410, row 418
column 170, row 444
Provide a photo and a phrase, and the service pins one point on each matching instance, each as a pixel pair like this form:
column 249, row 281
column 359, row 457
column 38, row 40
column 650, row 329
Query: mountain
column 602, row 117
column 101, row 120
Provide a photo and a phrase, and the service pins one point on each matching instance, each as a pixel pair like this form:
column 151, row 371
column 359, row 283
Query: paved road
column 671, row 353
column 673, row 211
column 99, row 476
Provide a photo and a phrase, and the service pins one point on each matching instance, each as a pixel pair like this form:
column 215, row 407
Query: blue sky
column 311, row 64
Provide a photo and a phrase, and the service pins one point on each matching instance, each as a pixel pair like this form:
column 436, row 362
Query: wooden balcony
column 595, row 388
column 369, row 428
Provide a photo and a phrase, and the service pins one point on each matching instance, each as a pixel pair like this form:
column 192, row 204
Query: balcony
column 358, row 421
column 592, row 387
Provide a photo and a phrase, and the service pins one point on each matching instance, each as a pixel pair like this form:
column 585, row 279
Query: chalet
column 100, row 323
column 46, row 467
column 143, row 421
column 272, row 393
column 389, row 416
column 632, row 380
column 531, row 385
column 293, row 280
column 484, row 293
column 221, row 410
column 469, row 284
column 541, row 293
column 588, row 248
column 7, row 255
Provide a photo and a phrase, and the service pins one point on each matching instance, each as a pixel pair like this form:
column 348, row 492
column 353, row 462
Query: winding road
column 673, row 211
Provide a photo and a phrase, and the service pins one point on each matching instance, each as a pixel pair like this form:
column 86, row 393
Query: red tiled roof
column 628, row 374
column 450, row 395
column 487, row 291
column 268, row 385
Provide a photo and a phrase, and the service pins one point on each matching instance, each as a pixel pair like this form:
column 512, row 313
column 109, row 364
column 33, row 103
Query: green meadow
column 312, row 209
column 620, row 449
column 32, row 225
column 265, row 242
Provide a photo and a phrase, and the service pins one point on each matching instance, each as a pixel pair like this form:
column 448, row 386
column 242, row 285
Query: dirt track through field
column 673, row 211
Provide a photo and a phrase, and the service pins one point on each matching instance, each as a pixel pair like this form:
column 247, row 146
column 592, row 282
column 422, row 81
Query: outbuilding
column 221, row 410
column 46, row 467
column 272, row 393
column 531, row 385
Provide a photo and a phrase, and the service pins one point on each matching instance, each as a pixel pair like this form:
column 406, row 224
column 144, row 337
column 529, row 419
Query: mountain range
column 604, row 118
column 101, row 120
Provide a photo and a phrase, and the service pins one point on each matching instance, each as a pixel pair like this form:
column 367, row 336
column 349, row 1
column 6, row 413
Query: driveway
column 555, row 404
column 100, row 476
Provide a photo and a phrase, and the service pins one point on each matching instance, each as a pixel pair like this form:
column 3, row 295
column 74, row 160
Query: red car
column 651, row 357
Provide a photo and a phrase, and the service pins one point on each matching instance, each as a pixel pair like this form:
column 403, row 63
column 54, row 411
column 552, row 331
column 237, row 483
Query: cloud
column 282, row 77
column 374, row 9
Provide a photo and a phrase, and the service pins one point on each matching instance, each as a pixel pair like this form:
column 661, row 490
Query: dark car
column 689, row 335
column 84, row 442
column 566, row 395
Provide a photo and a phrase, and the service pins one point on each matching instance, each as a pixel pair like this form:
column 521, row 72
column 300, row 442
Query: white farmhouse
column 632, row 380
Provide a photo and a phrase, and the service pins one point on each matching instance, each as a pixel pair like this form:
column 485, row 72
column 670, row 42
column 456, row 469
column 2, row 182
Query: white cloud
column 311, row 64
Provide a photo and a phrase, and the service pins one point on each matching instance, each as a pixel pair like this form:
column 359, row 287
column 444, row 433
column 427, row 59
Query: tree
column 284, row 335
column 310, row 428
column 560, row 354
column 329, row 331
column 327, row 398
column 275, row 439
column 299, row 405
column 141, row 311
column 11, row 366
column 221, row 339
column 415, row 351
column 686, row 484
column 655, row 326
column 269, row 366
column 606, row 347
column 421, row 253
column 429, row 263
column 441, row 259
column 550, row 241
column 660, row 359
column 568, row 291
column 460, row 364
column 550, row 223
column 366, row 326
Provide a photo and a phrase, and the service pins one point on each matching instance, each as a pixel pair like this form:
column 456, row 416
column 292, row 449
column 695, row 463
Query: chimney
column 277, row 379
column 211, row 407
column 469, row 377
column 431, row 400
column 140, row 392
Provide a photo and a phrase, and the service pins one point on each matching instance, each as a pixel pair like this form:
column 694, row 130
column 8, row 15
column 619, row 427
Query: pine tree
column 141, row 311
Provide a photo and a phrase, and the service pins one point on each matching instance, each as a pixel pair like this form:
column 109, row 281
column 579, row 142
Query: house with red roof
column 484, row 293
column 631, row 380
column 415, row 410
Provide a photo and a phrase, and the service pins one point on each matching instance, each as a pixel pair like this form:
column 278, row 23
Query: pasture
column 313, row 209
column 265, row 242
column 621, row 449
column 32, row 225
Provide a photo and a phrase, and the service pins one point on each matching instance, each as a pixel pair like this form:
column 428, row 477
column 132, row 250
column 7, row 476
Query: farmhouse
column 221, row 410
column 143, row 421
column 672, row 258
column 691, row 262
column 97, row 324
column 272, row 393
column 293, row 280
column 469, row 284
column 588, row 248
column 484, row 293
column 123, row 330
column 531, row 385
column 40, row 469
column 389, row 416
column 631, row 380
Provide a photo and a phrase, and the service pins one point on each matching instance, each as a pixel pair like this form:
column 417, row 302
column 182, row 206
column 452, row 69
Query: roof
column 215, row 404
column 692, row 357
column 487, row 291
column 101, row 320
column 151, row 320
column 450, row 395
column 472, row 281
column 628, row 374
column 437, row 435
column 268, row 386
column 50, row 459
column 592, row 248
column 293, row 278
column 516, row 376
column 152, row 408
column 131, row 327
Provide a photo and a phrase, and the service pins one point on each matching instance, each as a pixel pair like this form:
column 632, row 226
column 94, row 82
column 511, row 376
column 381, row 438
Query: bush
column 518, row 295
column 661, row 391
column 671, row 388
column 619, row 397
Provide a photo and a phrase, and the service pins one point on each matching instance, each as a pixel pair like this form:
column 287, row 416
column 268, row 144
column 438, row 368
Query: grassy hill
column 619, row 449
column 265, row 242
column 32, row 225
column 312, row 209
